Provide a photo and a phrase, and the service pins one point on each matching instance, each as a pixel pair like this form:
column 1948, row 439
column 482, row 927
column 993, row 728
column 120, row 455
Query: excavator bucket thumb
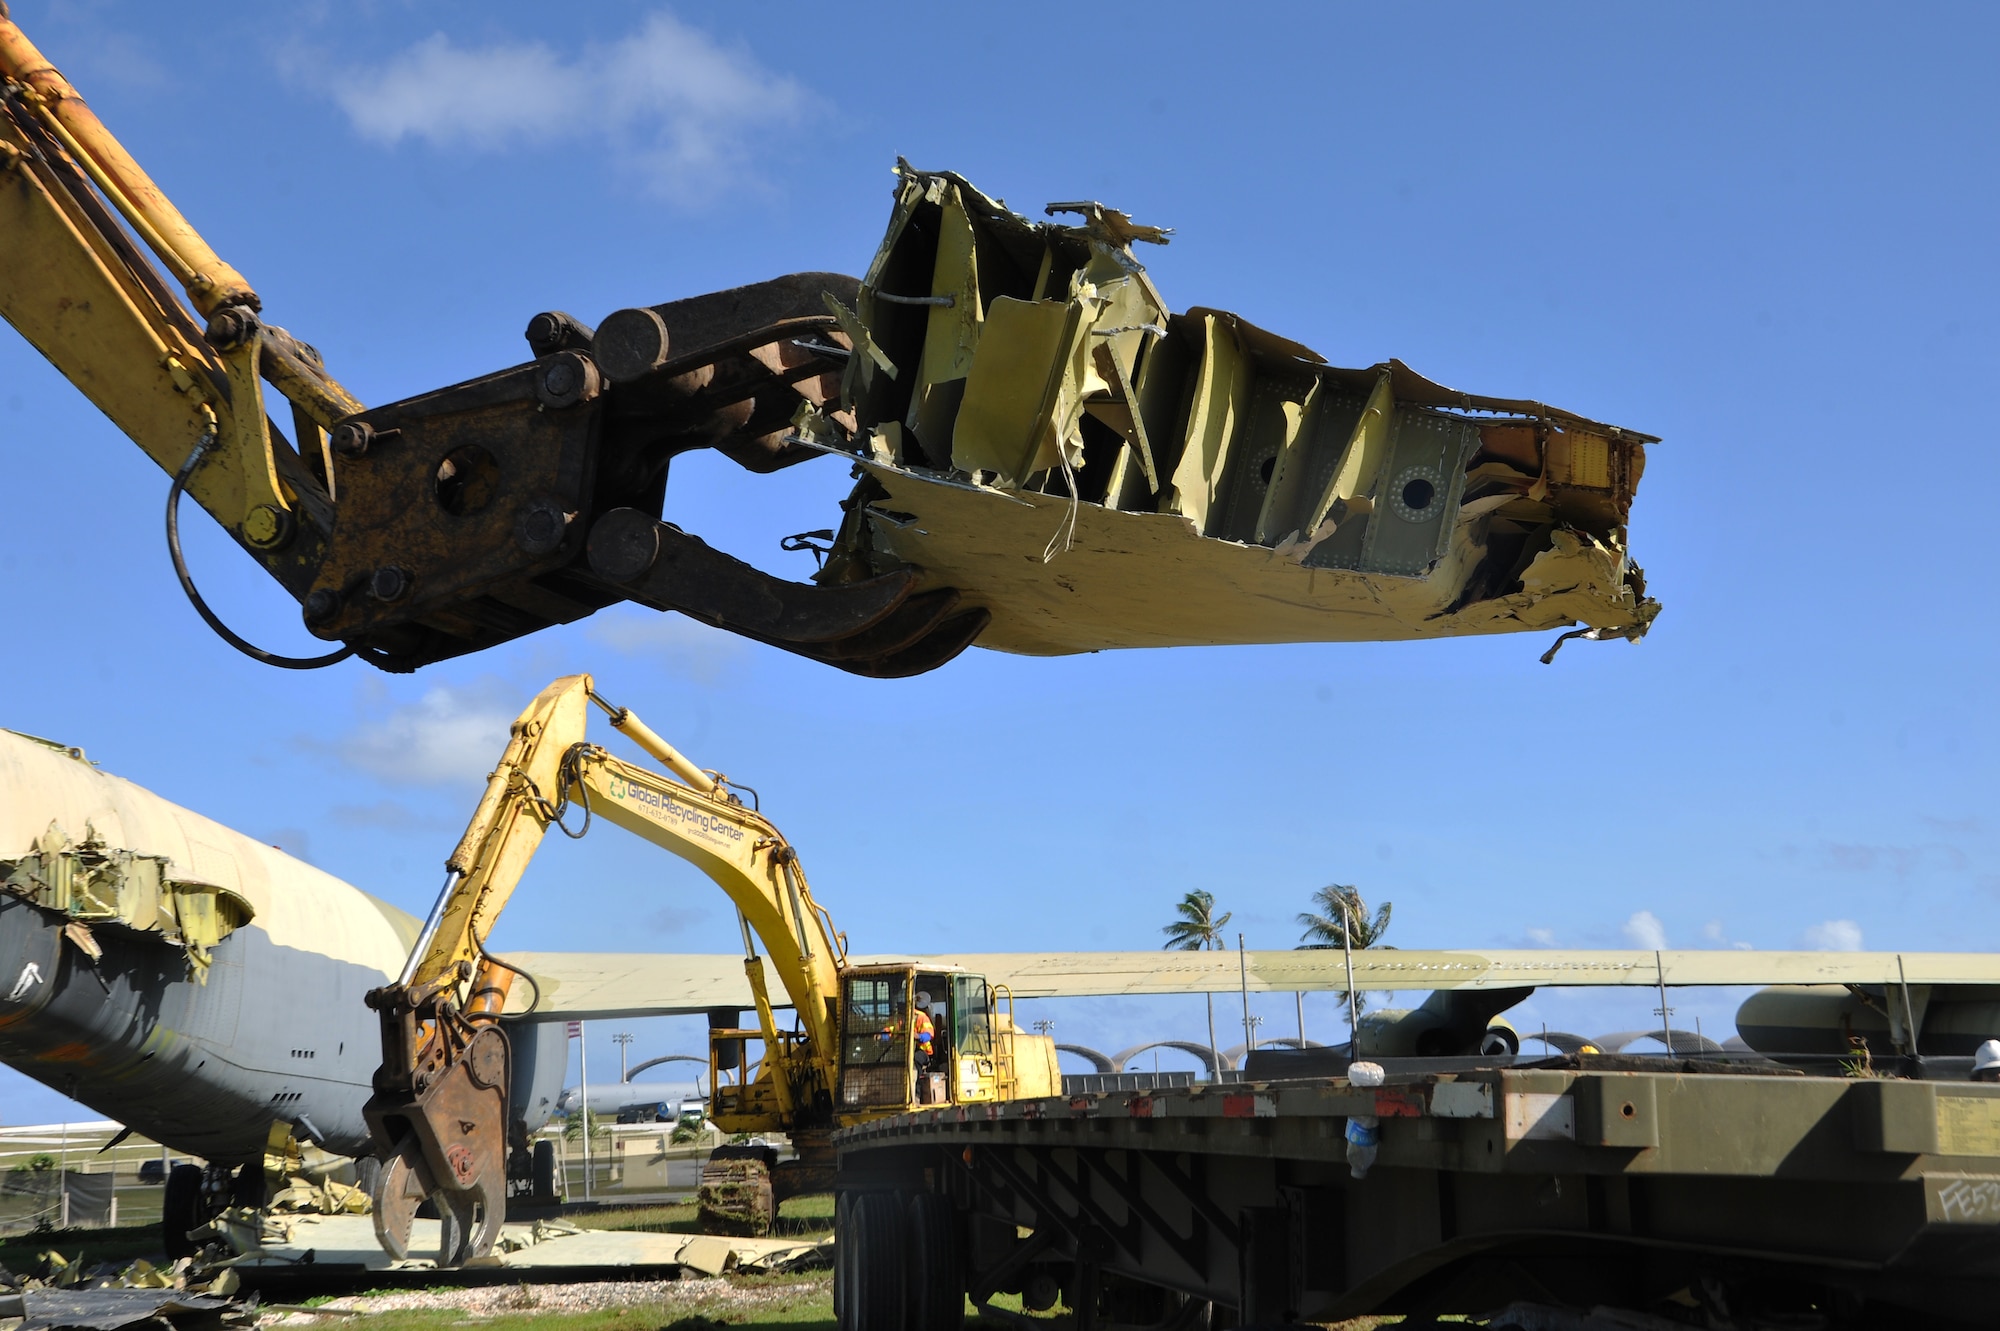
column 872, row 627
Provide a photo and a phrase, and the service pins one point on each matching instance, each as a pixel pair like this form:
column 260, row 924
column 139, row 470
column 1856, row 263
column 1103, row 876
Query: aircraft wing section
column 1077, row 974
column 586, row 986
column 589, row 985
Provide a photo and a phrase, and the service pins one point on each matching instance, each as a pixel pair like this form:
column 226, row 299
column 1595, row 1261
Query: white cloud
column 685, row 646
column 674, row 105
column 1541, row 937
column 1714, row 934
column 1834, row 936
column 490, row 98
column 1645, row 930
column 447, row 737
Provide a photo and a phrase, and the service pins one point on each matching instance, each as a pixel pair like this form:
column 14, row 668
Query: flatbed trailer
column 1707, row 1191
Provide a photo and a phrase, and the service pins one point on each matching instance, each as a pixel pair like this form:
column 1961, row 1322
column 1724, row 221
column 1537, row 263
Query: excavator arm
column 460, row 518
column 439, row 1110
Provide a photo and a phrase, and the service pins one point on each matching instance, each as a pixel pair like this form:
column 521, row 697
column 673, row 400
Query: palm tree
column 1199, row 930
column 1345, row 920
column 1342, row 921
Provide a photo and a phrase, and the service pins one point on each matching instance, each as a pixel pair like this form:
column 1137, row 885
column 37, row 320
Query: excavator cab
column 975, row 1052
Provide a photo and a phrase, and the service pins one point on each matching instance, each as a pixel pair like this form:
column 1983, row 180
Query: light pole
column 1353, row 1004
column 583, row 1091
column 624, row 1042
column 1243, row 973
column 1666, row 1013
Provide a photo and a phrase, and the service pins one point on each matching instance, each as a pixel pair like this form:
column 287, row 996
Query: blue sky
column 1761, row 233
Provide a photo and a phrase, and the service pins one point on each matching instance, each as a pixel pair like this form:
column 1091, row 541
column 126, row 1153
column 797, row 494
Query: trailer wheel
column 181, row 1209
column 936, row 1278
column 544, row 1172
column 875, row 1298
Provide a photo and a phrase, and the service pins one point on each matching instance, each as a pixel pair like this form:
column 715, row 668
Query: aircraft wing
column 586, row 986
column 590, row 985
column 1075, row 974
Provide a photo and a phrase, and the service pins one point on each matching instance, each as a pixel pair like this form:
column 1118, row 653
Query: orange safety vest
column 921, row 1027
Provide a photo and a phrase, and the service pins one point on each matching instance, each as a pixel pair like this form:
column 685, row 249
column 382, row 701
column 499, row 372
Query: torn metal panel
column 95, row 883
column 1095, row 472
column 117, row 1309
column 1151, row 580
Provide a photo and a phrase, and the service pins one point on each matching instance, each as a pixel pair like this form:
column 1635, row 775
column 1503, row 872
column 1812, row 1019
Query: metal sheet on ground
column 339, row 1240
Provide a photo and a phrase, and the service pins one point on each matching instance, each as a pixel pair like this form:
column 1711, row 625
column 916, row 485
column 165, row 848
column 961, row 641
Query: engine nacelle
column 1450, row 1023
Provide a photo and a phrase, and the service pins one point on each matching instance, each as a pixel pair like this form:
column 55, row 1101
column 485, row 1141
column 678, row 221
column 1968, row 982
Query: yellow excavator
column 855, row 1050
column 1046, row 458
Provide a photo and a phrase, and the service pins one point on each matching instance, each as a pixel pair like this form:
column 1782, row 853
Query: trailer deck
column 1724, row 1193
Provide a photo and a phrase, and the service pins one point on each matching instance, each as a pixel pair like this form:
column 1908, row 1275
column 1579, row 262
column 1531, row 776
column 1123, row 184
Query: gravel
column 499, row 1300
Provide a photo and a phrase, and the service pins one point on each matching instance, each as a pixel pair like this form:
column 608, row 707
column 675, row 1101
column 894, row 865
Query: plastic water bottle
column 1364, row 1131
column 1363, row 1140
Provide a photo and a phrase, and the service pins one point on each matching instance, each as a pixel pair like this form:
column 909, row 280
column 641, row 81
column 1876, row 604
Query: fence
column 69, row 1175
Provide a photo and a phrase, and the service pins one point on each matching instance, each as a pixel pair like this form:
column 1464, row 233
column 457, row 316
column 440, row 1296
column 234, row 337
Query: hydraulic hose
column 222, row 630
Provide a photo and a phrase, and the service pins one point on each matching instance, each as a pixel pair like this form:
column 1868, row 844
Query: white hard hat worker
column 1986, row 1062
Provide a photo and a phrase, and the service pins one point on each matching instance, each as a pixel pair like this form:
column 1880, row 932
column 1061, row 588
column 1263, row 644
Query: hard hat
column 1986, row 1057
column 924, row 1000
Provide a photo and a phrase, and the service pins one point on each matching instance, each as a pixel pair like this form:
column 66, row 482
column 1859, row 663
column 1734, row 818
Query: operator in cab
column 923, row 1033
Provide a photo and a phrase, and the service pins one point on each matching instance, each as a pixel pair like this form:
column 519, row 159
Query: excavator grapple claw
column 943, row 636
column 400, row 1189
column 677, row 571
column 874, row 627
column 446, row 1130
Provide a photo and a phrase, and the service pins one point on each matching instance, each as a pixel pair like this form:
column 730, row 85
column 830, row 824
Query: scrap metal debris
column 107, row 1297
column 1038, row 431
column 245, row 1238
column 304, row 1178
column 95, row 883
column 116, row 1309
